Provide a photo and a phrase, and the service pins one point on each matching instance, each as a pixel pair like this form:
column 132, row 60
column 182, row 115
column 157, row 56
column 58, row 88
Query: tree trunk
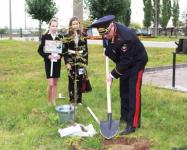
column 40, row 29
column 165, row 31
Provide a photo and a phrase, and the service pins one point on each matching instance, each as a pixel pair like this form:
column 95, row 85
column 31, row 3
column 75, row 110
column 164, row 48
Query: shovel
column 51, row 72
column 52, row 61
column 109, row 128
column 92, row 113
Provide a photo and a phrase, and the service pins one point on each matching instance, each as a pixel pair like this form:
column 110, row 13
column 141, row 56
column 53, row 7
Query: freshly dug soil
column 122, row 143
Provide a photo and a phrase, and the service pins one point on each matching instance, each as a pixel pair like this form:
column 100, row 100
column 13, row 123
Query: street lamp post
column 25, row 17
column 10, row 20
column 78, row 9
column 186, row 25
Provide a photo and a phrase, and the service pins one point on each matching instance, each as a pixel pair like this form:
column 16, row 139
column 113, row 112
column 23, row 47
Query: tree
column 42, row 10
column 147, row 13
column 125, row 15
column 165, row 13
column 127, row 19
column 119, row 8
column 156, row 14
column 175, row 13
column 2, row 31
column 135, row 25
column 184, row 23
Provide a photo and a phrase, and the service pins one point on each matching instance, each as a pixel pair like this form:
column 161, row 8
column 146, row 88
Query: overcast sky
column 64, row 14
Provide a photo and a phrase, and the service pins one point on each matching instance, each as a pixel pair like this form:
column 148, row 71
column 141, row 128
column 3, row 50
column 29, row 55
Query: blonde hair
column 53, row 19
column 50, row 21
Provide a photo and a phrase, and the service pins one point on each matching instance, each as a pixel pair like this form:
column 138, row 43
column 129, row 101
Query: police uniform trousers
column 130, row 93
column 71, row 86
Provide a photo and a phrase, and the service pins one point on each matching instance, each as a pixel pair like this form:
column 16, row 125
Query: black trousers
column 75, row 97
column 130, row 94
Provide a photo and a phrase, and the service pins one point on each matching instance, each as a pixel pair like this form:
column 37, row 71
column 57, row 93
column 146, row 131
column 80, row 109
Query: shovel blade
column 109, row 128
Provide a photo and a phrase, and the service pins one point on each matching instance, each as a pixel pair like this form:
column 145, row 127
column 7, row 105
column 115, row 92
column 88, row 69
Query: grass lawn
column 27, row 123
column 161, row 38
column 163, row 57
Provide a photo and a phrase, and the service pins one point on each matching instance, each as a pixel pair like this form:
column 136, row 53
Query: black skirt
column 56, row 69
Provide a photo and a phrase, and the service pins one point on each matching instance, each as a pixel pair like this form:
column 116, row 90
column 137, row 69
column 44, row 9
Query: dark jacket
column 42, row 45
column 126, row 51
column 71, row 51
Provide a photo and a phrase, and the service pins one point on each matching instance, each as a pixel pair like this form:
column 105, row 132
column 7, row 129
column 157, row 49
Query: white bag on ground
column 78, row 130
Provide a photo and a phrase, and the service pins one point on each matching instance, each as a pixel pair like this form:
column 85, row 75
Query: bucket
column 65, row 113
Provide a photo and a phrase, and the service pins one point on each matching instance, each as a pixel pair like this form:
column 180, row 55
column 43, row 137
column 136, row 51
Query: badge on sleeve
column 124, row 48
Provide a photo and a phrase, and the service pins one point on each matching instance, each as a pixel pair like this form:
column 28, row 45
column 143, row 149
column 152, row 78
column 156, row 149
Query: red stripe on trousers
column 137, row 110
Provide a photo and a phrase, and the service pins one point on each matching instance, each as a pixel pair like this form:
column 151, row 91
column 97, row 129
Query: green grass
column 163, row 57
column 26, row 122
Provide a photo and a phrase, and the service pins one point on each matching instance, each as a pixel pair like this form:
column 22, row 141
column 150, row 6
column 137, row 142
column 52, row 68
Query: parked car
column 93, row 34
column 143, row 32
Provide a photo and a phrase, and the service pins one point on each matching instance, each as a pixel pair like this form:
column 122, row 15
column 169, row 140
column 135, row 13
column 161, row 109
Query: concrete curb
column 164, row 68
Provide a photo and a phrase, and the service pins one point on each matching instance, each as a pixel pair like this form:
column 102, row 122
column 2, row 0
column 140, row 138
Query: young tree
column 42, row 10
column 165, row 13
column 175, row 13
column 99, row 8
column 147, row 13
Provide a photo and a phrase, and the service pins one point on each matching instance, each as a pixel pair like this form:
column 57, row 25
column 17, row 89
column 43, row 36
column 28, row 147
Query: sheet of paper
column 53, row 46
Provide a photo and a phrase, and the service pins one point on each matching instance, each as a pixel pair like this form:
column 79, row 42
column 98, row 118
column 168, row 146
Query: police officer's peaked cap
column 103, row 22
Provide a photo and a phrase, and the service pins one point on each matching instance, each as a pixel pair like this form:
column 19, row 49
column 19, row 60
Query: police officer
column 126, row 50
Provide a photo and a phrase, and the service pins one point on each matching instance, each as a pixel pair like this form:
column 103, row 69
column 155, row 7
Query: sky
column 64, row 14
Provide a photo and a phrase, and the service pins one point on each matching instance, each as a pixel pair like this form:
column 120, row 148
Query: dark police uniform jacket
column 126, row 51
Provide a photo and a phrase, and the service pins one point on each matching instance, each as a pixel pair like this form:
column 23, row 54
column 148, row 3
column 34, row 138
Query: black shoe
column 128, row 130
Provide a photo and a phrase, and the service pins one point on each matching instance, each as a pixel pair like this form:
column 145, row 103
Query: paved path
column 163, row 78
column 159, row 44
